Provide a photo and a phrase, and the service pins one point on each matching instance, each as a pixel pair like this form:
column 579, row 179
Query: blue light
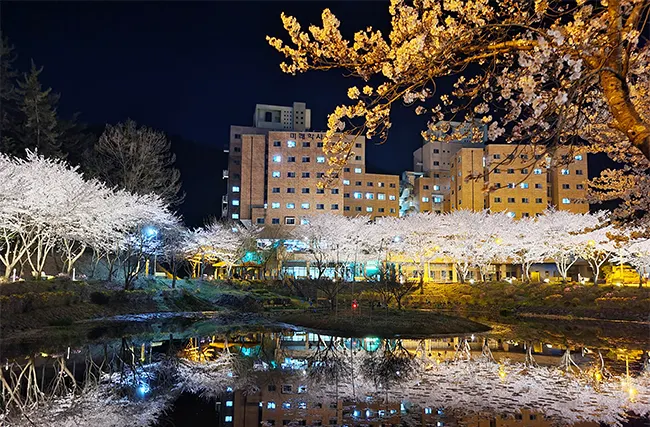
column 150, row 232
column 144, row 388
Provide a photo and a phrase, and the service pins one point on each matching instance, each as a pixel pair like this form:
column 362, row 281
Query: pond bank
column 382, row 323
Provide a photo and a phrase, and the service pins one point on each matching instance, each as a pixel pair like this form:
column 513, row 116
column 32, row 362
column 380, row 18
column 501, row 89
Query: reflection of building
column 284, row 398
column 274, row 169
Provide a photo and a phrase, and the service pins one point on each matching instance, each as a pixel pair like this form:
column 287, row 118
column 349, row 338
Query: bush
column 99, row 298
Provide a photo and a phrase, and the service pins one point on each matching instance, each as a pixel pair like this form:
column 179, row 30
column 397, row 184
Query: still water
column 185, row 372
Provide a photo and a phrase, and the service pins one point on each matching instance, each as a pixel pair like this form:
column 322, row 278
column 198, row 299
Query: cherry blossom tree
column 543, row 72
column 561, row 236
column 597, row 247
column 523, row 240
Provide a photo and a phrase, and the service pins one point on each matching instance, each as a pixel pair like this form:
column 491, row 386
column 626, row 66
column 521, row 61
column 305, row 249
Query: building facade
column 276, row 166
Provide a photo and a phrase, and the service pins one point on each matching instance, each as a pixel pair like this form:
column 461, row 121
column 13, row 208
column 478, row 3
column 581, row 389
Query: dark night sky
column 191, row 70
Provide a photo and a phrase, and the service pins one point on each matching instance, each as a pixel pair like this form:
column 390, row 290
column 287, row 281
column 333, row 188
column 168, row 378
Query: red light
column 355, row 305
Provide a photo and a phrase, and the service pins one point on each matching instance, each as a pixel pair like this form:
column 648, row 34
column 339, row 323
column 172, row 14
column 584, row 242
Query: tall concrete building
column 275, row 167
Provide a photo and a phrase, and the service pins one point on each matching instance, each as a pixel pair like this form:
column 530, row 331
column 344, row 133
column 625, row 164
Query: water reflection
column 300, row 378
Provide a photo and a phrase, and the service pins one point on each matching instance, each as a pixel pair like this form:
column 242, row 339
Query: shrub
column 99, row 298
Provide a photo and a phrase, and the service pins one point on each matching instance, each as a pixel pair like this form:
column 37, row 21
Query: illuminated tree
column 543, row 72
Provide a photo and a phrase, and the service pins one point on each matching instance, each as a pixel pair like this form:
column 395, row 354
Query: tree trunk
column 173, row 267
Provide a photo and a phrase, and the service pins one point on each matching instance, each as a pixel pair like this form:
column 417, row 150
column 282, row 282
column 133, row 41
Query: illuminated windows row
column 278, row 174
column 523, row 200
column 292, row 159
column 292, row 144
column 370, row 196
column 319, row 206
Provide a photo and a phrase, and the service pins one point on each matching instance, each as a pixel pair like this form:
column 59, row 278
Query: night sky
column 190, row 70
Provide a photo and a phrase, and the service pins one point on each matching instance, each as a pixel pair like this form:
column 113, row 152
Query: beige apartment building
column 274, row 174
column 517, row 180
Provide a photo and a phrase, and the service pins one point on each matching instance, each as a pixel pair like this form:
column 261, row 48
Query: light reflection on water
column 268, row 377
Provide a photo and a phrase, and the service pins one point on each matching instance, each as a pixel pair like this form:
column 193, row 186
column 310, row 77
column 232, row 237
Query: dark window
column 260, row 220
column 425, row 187
column 436, row 175
column 524, row 170
column 335, row 191
column 565, row 186
column 320, row 206
column 436, row 151
column 306, row 144
column 497, row 170
column 291, row 190
column 346, row 169
column 305, row 174
column 524, row 200
column 320, row 191
column 320, row 174
column 358, row 208
column 511, row 199
column 346, row 208
column 358, row 145
column 276, row 143
column 291, row 174
column 357, row 157
column 511, row 171
column 291, row 159
column 305, row 159
column 538, row 185
column 268, row 117
column 524, row 156
column 319, row 144
column 238, row 136
column 538, row 200
column 578, row 171
column 580, row 187
column 369, row 184
column 496, row 156
column 305, row 191
column 335, row 207
column 275, row 190
column 358, row 183
column 380, row 210
column 392, row 185
column 275, row 220
column 497, row 200
column 436, row 163
column 237, row 149
column 346, row 195
column 271, row 387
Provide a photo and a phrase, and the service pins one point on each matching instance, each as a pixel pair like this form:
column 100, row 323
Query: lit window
column 346, row 182
column 380, row 184
column 537, row 171
column 369, row 209
column 512, row 185
column 277, row 158
column 320, row 159
column 425, row 199
column 381, row 196
column 436, row 188
column 304, row 221
column 235, row 189
column 275, row 174
column 291, row 144
column 270, row 405
column 235, row 202
column 228, row 402
column 566, row 201
column 357, row 195
column 305, row 206
column 370, row 196
column 357, row 170
column 511, row 214
column 391, row 197
column 228, row 418
column 565, row 171
column 428, row 411
column 291, row 205
column 524, row 185
column 235, row 216
column 437, row 199
column 578, row 157
column 275, row 205
column 286, row 405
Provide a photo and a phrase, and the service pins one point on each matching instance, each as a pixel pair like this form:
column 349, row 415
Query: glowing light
column 498, row 240
column 150, row 232
column 144, row 388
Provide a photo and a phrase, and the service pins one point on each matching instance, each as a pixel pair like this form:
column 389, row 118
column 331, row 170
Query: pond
column 200, row 369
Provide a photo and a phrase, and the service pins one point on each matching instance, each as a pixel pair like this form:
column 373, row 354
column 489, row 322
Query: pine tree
column 8, row 98
column 39, row 128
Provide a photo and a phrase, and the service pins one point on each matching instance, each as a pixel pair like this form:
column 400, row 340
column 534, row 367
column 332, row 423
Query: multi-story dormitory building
column 498, row 177
column 275, row 166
